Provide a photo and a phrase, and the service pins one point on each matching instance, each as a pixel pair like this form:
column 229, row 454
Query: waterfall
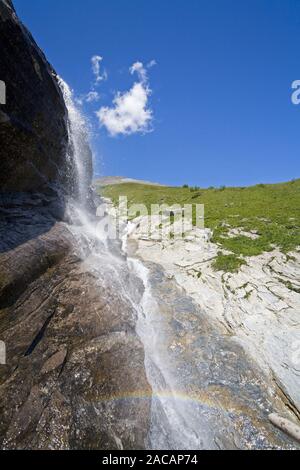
column 79, row 153
column 109, row 263
column 197, row 399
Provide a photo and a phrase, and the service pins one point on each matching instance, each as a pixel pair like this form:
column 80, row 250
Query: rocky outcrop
column 256, row 308
column 74, row 376
column 208, row 392
column 33, row 122
column 34, row 163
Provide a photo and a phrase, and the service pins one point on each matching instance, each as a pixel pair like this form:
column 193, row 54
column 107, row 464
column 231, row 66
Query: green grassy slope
column 272, row 210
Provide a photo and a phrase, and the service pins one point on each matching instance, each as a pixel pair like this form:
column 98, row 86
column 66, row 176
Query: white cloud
column 129, row 114
column 151, row 64
column 92, row 96
column 96, row 68
column 89, row 97
column 139, row 68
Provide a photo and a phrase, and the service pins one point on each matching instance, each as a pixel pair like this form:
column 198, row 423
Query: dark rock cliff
column 33, row 130
column 74, row 373
column 35, row 173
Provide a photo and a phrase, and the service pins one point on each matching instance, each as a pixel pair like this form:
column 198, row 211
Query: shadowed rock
column 33, row 129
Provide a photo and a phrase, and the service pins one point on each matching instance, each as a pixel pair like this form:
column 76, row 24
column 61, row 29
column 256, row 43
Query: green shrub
column 227, row 263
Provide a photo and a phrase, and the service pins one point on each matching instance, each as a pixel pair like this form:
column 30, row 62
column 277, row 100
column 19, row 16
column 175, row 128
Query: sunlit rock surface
column 252, row 315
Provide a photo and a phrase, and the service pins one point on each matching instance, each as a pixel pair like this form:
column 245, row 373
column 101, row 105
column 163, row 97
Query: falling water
column 107, row 261
column 79, row 153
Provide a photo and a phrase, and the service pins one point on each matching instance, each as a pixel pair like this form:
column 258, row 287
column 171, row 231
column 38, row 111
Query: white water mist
column 79, row 152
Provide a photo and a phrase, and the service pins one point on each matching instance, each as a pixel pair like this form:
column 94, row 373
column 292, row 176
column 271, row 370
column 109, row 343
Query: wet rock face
column 33, row 124
column 258, row 305
column 74, row 376
column 220, row 397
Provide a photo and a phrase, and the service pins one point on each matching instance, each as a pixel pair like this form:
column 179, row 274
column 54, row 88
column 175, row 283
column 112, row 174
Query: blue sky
column 219, row 94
